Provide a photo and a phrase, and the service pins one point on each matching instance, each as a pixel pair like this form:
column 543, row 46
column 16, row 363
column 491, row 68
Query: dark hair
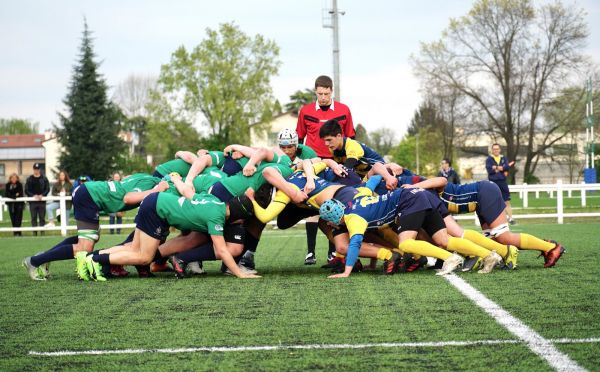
column 330, row 128
column 496, row 144
column 447, row 161
column 323, row 81
column 67, row 179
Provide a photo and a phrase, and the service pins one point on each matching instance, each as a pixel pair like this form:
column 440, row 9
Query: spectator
column 14, row 189
column 118, row 216
column 497, row 167
column 37, row 186
column 62, row 187
column 447, row 172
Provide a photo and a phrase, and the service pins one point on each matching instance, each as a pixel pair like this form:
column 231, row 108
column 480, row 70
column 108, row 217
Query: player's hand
column 175, row 176
column 249, row 276
column 249, row 193
column 201, row 152
column 236, row 155
column 336, row 276
column 406, row 186
column 162, row 186
column 228, row 149
column 340, row 171
column 249, row 170
column 190, row 184
column 299, row 197
column 391, row 183
column 309, row 187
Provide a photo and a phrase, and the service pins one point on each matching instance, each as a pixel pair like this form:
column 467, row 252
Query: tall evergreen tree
column 89, row 132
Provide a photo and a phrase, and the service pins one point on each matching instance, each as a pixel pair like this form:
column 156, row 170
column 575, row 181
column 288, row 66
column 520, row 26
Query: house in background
column 279, row 122
column 18, row 153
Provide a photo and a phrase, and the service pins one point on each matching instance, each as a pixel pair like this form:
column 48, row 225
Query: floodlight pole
column 334, row 25
column 589, row 172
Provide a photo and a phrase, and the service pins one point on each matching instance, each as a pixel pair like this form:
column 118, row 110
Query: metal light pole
column 332, row 21
column 589, row 173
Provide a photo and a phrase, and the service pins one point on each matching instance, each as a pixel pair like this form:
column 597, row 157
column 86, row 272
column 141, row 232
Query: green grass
column 295, row 304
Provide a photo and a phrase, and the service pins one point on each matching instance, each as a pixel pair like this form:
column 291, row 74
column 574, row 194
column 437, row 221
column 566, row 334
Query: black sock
column 331, row 249
column 128, row 239
column 204, row 252
column 158, row 258
column 103, row 259
column 58, row 253
column 311, row 235
column 250, row 243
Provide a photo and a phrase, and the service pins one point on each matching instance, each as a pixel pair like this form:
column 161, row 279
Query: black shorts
column 292, row 214
column 234, row 233
column 429, row 220
column 157, row 174
column 149, row 221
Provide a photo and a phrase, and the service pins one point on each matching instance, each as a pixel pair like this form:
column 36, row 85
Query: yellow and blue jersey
column 461, row 198
column 352, row 149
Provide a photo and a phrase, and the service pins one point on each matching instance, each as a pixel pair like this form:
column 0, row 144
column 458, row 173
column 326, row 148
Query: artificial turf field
column 295, row 305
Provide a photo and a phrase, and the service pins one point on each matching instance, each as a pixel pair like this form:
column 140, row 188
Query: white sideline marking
column 536, row 343
column 226, row 349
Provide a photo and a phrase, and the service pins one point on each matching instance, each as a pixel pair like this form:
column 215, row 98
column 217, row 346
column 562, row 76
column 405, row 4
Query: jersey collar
column 332, row 107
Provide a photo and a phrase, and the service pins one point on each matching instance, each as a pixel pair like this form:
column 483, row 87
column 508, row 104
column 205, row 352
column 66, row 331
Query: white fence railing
column 554, row 190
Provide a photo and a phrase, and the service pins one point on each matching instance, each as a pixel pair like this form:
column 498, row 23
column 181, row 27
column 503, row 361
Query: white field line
column 536, row 343
column 227, row 349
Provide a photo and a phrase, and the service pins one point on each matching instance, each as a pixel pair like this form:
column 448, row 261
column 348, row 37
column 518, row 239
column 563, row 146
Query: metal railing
column 554, row 190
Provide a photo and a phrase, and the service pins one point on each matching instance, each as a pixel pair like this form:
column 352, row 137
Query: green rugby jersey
column 238, row 184
column 204, row 213
column 108, row 195
column 202, row 182
column 304, row 152
column 176, row 165
column 218, row 159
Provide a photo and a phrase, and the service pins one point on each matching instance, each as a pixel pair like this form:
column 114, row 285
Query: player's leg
column 312, row 226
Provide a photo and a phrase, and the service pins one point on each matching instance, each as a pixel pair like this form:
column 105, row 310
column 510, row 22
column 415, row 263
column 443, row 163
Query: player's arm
column 198, row 166
column 356, row 229
column 275, row 178
column 337, row 168
column 222, row 253
column 136, row 197
column 186, row 156
column 391, row 182
column 183, row 189
column 276, row 206
column 436, row 183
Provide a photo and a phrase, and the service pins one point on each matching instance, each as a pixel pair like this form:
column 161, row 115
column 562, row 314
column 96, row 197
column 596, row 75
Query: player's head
column 331, row 133
column 496, row 149
column 324, row 90
column 287, row 139
column 332, row 210
column 240, row 208
column 446, row 163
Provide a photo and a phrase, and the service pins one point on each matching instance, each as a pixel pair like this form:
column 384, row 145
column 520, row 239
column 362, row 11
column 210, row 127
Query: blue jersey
column 365, row 155
column 402, row 180
column 299, row 180
column 461, row 198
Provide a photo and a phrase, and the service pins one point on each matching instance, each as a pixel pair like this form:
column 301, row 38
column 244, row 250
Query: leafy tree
column 299, row 99
column 361, row 134
column 18, row 126
column 165, row 138
column 226, row 78
column 429, row 152
column 89, row 132
column 507, row 58
column 382, row 140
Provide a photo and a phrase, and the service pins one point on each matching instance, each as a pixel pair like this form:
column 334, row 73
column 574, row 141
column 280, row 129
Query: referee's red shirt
column 311, row 118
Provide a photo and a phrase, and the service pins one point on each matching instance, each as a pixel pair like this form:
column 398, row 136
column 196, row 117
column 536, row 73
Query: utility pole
column 331, row 20
column 589, row 173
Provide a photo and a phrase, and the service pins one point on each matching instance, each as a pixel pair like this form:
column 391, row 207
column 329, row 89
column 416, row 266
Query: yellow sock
column 466, row 247
column 486, row 243
column 423, row 248
column 340, row 255
column 535, row 244
column 384, row 254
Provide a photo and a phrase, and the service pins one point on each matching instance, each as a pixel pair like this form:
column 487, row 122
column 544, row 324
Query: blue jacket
column 492, row 174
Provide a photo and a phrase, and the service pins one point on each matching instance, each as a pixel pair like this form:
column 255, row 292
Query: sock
column 58, row 253
column 311, row 236
column 331, row 249
column 466, row 247
column 103, row 259
column 204, row 252
column 250, row 243
column 423, row 248
column 159, row 258
column 532, row 243
column 384, row 254
column 248, row 254
column 486, row 243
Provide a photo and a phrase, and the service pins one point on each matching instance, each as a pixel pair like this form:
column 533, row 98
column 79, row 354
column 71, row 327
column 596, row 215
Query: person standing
column 37, row 186
column 310, row 119
column 497, row 167
column 117, row 216
column 448, row 172
column 62, row 187
column 14, row 189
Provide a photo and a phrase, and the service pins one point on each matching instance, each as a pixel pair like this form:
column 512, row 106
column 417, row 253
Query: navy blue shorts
column 503, row 186
column 429, row 220
column 345, row 195
column 231, row 167
column 157, row 174
column 84, row 206
column 149, row 221
column 220, row 192
column 490, row 204
column 412, row 201
column 437, row 203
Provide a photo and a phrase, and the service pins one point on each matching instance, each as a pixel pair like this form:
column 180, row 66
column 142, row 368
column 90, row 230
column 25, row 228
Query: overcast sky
column 40, row 41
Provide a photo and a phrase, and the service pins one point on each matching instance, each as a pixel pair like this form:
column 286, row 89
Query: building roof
column 21, row 140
